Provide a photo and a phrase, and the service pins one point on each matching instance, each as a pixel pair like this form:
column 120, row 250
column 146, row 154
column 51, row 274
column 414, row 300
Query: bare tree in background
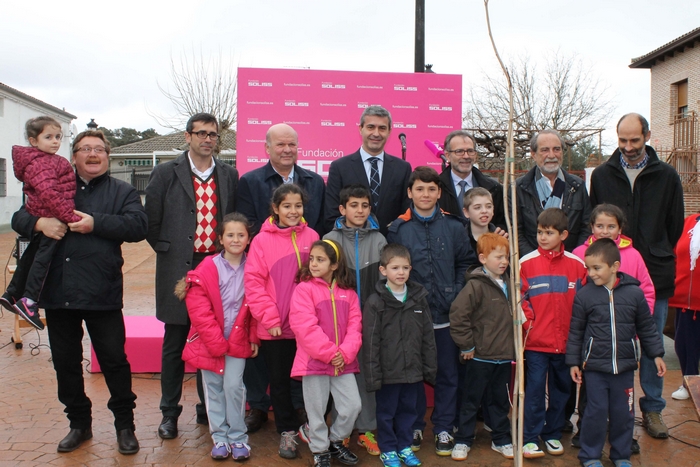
column 563, row 93
column 200, row 85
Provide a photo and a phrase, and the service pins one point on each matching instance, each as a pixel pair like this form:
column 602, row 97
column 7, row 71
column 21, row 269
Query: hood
column 22, row 156
column 270, row 226
column 621, row 241
column 415, row 291
column 371, row 224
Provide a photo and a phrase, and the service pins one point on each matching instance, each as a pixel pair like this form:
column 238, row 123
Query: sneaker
column 367, row 441
column 444, row 443
column 568, row 427
column 304, row 433
column 322, row 459
column 29, row 312
column 680, row 395
column 407, row 457
column 487, row 428
column 8, row 303
column 288, row 445
column 554, row 447
column 417, row 439
column 593, row 463
column 623, row 463
column 576, row 440
column 460, row 452
column 341, row 453
column 532, row 451
column 390, row 459
column 654, row 424
column 240, row 451
column 220, row 451
column 506, row 450
column 635, row 447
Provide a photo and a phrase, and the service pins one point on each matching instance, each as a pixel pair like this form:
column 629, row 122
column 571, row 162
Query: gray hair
column 375, row 111
column 643, row 121
column 458, row 133
column 533, row 141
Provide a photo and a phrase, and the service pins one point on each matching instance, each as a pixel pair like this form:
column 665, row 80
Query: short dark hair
column 554, row 218
column 642, row 121
column 94, row 134
column 354, row 191
column 374, row 111
column 425, row 174
column 605, row 249
column 473, row 193
column 533, row 141
column 391, row 251
column 201, row 117
column 609, row 210
column 35, row 126
column 455, row 134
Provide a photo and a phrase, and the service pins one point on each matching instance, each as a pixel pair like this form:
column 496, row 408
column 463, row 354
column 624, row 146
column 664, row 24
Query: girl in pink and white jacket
column 223, row 336
column 326, row 318
column 275, row 256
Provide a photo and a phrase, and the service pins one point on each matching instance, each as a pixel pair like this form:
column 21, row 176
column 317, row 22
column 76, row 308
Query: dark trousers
column 396, row 411
column 107, row 334
column 172, row 372
column 279, row 358
column 686, row 343
column 610, row 397
column 256, row 383
column 547, row 374
column 28, row 279
column 444, row 415
column 481, row 378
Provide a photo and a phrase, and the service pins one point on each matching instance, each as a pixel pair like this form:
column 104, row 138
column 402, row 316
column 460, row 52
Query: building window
column 3, row 176
column 682, row 105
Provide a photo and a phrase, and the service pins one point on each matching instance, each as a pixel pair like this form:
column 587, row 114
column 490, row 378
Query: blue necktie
column 460, row 196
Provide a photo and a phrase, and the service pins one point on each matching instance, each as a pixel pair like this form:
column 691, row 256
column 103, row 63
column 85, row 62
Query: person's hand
column 576, row 374
column 337, row 360
column 51, row 227
column 254, row 348
column 467, row 355
column 501, row 232
column 660, row 366
column 84, row 225
column 276, row 331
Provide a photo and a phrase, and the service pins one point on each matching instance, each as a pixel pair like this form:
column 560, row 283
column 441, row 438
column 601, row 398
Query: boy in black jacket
column 398, row 353
column 608, row 313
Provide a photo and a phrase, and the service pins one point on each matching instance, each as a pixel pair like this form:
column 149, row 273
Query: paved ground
column 32, row 420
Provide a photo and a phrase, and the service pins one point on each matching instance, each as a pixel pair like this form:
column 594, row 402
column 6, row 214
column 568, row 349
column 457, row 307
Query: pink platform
column 144, row 343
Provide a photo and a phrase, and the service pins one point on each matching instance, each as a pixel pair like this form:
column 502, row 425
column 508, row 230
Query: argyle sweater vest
column 205, row 198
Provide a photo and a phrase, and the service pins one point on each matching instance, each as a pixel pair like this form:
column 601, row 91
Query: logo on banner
column 295, row 104
column 255, row 121
column 401, row 87
column 329, row 85
column 405, row 125
column 331, row 123
column 255, row 82
column 442, row 108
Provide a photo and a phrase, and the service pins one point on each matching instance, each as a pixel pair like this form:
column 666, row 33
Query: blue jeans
column 547, row 374
column 652, row 385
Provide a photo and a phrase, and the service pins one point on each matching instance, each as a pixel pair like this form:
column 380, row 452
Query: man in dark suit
column 386, row 176
column 461, row 176
column 185, row 199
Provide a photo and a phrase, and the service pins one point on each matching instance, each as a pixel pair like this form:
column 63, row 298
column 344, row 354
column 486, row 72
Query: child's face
column 496, row 262
column 49, row 140
column 320, row 264
column 397, row 270
column 290, row 210
column 549, row 238
column 480, row 211
column 424, row 196
column 606, row 226
column 235, row 238
column 356, row 212
column 600, row 272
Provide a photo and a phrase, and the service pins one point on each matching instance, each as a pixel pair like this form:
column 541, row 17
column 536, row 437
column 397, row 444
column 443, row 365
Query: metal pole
column 419, row 65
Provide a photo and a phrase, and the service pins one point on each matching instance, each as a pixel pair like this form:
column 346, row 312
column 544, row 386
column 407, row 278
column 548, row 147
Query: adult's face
column 631, row 140
column 375, row 132
column 549, row 154
column 282, row 147
column 91, row 159
column 462, row 164
column 201, row 147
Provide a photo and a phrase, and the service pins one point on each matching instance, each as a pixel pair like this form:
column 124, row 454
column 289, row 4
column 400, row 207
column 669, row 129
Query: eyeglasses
column 461, row 152
column 203, row 135
column 87, row 150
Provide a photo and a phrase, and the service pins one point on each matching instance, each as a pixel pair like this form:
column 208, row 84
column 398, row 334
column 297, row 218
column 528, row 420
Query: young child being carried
column 327, row 322
column 550, row 277
column 223, row 335
column 399, row 353
column 481, row 324
column 49, row 185
column 609, row 311
column 357, row 232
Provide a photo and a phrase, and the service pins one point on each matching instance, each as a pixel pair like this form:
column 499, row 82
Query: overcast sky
column 104, row 60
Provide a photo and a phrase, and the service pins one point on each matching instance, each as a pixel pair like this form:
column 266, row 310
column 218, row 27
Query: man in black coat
column 390, row 194
column 461, row 176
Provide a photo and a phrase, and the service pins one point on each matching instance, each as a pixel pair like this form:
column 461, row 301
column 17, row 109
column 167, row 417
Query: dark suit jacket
column 393, row 195
column 448, row 197
column 255, row 192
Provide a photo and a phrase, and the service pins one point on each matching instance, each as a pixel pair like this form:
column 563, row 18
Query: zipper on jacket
column 357, row 266
column 296, row 248
column 637, row 353
column 588, row 353
column 335, row 320
column 613, row 330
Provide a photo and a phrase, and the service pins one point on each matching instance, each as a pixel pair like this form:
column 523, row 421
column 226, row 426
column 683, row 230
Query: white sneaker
column 487, row 428
column 460, row 452
column 506, row 450
column 554, row 447
column 532, row 451
column 681, row 394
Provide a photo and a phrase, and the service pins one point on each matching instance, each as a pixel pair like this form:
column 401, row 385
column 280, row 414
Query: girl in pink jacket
column 275, row 256
column 223, row 335
column 326, row 318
